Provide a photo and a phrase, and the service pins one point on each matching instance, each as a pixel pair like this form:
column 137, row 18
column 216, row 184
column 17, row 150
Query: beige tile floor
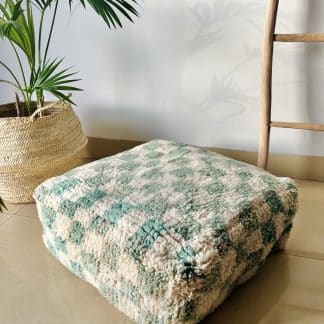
column 36, row 289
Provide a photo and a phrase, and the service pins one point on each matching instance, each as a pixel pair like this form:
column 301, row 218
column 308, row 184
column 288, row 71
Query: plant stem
column 40, row 30
column 51, row 31
column 20, row 64
column 11, row 73
column 19, row 113
column 21, row 90
column 2, row 205
column 11, row 83
column 30, row 16
column 28, row 101
column 40, row 38
column 29, row 95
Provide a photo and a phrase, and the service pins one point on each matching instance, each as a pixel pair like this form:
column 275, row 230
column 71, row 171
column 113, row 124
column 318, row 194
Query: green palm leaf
column 109, row 10
column 17, row 26
column 10, row 13
column 43, row 4
column 48, row 78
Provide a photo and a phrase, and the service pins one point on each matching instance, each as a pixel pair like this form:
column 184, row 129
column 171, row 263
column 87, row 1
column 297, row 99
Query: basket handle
column 49, row 106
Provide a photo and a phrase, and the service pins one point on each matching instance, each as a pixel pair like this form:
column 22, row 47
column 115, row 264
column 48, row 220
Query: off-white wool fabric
column 165, row 231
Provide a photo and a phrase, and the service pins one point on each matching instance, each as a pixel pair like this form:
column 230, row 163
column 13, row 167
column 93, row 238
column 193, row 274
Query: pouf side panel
column 116, row 287
column 243, row 258
column 121, row 296
column 54, row 248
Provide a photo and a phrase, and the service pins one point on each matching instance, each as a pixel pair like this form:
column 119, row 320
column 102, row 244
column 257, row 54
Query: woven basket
column 35, row 148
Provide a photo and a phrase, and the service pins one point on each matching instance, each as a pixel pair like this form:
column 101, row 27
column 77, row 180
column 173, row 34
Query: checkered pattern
column 165, row 231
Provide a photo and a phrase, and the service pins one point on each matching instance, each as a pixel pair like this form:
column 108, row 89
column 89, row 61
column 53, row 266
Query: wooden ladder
column 266, row 88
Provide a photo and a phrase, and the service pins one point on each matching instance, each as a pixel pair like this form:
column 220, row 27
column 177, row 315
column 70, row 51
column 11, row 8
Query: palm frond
column 17, row 25
column 109, row 10
column 42, row 5
column 10, row 13
column 47, row 78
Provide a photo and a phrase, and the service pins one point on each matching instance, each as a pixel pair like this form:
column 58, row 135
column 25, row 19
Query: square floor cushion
column 165, row 231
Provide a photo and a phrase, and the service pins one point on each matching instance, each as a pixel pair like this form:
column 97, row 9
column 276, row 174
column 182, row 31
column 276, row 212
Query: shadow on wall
column 315, row 73
column 177, row 74
column 119, row 123
column 125, row 123
column 190, row 71
column 212, row 21
column 215, row 25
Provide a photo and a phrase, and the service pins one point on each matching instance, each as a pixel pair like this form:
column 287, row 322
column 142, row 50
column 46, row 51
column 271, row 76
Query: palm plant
column 25, row 35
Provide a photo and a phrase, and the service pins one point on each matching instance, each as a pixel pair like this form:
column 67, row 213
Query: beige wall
column 189, row 70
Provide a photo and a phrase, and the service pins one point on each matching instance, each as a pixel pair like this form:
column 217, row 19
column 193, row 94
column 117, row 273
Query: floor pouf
column 165, row 231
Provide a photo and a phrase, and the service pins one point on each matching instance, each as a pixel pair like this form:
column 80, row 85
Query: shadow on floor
column 251, row 302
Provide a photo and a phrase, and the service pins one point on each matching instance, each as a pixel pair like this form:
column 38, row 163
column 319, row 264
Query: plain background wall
column 189, row 70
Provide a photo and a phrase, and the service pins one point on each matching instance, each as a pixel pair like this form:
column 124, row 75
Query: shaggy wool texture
column 165, row 231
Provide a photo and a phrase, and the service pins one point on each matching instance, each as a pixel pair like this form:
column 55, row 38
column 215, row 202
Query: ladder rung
column 313, row 127
column 315, row 37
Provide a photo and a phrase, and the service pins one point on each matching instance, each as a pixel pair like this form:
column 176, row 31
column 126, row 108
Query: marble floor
column 36, row 289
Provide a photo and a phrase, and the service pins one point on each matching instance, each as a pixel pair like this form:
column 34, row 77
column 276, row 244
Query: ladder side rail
column 266, row 87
